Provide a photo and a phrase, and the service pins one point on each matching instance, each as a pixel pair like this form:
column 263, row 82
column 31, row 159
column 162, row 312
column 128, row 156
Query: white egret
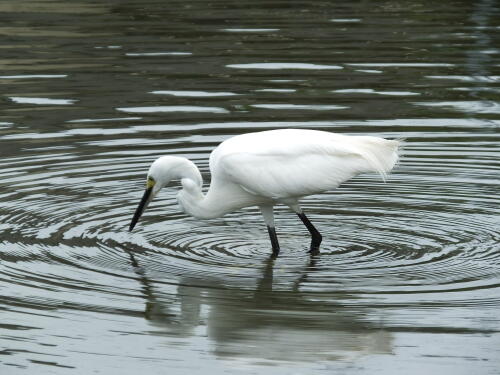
column 268, row 168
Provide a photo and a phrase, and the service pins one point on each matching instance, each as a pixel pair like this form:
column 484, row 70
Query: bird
column 267, row 168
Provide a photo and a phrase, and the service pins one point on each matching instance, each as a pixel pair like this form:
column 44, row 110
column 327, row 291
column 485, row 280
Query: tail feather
column 380, row 154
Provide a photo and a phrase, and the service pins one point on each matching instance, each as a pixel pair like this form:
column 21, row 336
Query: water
column 92, row 92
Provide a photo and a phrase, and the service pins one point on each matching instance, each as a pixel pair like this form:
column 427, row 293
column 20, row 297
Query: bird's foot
column 275, row 253
column 315, row 243
column 314, row 250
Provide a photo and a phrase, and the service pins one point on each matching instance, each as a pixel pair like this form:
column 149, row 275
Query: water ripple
column 419, row 245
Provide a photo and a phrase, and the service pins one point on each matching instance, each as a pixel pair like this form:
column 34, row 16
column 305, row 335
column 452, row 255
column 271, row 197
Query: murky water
column 92, row 92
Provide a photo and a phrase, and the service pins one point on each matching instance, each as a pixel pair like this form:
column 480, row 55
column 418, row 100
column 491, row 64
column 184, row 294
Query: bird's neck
column 220, row 199
column 194, row 203
column 191, row 198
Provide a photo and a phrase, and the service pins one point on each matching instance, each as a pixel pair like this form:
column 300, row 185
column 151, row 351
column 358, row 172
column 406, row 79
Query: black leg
column 274, row 241
column 315, row 235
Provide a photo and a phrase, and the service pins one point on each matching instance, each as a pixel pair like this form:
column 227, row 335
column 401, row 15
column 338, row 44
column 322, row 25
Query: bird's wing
column 279, row 177
column 279, row 164
column 296, row 170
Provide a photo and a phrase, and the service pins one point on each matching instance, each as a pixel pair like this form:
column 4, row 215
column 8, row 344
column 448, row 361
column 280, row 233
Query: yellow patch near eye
column 150, row 183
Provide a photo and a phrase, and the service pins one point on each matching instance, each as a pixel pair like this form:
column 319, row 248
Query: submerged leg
column 315, row 235
column 274, row 240
column 267, row 213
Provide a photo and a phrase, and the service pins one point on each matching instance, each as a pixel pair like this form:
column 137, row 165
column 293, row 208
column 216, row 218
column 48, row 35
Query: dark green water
column 92, row 92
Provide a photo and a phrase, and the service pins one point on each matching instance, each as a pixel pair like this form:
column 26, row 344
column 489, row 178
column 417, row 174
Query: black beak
column 142, row 206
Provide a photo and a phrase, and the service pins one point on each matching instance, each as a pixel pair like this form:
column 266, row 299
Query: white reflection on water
column 250, row 30
column 372, row 91
column 285, row 80
column 476, row 89
column 474, row 78
column 313, row 107
column 405, row 65
column 158, row 54
column 371, row 71
column 104, row 119
column 109, row 47
column 346, row 20
column 276, row 90
column 283, row 65
column 198, row 94
column 28, row 76
column 41, row 101
column 472, row 106
column 172, row 108
column 284, row 325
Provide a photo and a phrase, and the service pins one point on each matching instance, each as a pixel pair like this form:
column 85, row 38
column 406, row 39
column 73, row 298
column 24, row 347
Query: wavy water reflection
column 92, row 94
column 262, row 324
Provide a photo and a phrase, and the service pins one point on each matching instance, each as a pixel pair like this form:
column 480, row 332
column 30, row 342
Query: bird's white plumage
column 291, row 163
column 275, row 166
column 270, row 167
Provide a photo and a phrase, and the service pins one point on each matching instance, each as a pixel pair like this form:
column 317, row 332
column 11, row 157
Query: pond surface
column 92, row 92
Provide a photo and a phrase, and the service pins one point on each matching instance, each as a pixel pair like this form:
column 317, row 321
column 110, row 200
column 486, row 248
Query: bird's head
column 161, row 172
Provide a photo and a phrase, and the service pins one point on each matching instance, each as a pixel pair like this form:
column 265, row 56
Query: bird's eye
column 150, row 182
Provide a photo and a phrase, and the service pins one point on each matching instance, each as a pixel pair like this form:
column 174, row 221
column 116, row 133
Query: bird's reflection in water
column 266, row 324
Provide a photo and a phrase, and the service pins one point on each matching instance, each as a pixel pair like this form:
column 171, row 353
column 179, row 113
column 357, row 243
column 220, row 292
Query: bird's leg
column 274, row 241
column 315, row 235
column 267, row 213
